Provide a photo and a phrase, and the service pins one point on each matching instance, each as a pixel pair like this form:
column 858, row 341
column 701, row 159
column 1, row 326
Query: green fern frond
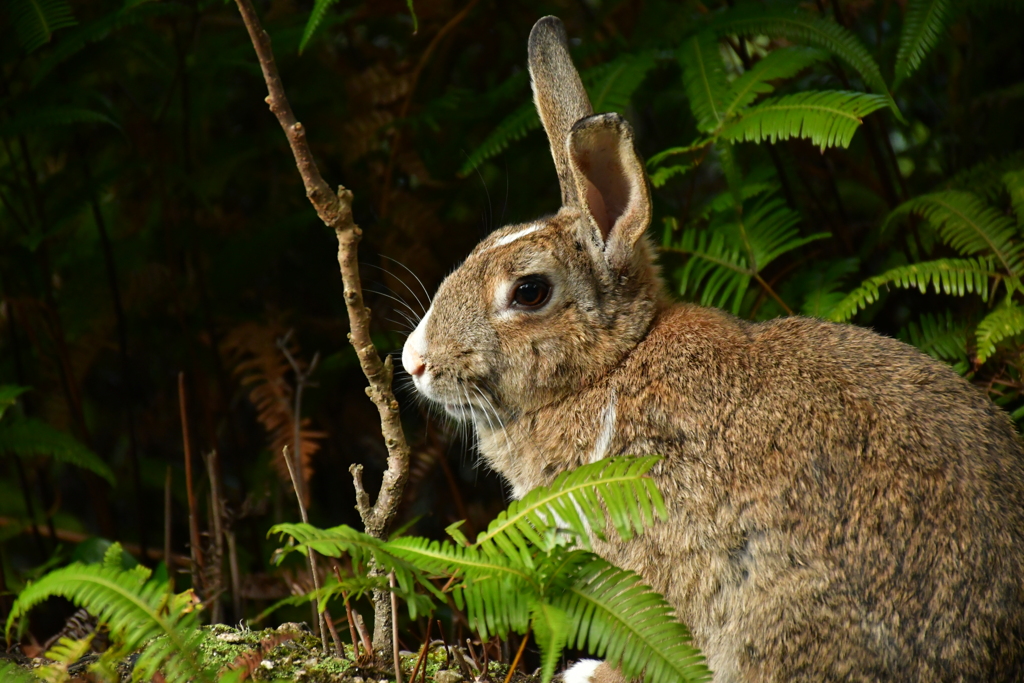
column 316, row 17
column 550, row 628
column 136, row 613
column 659, row 177
column 38, row 118
column 614, row 616
column 580, row 500
column 967, row 224
column 827, row 118
column 941, row 336
column 820, row 286
column 36, row 20
column 769, row 230
column 812, row 31
column 956, row 277
column 29, row 437
column 611, row 86
column 9, row 394
column 985, row 179
column 1002, row 323
column 1014, row 181
column 704, row 80
column 715, row 271
column 514, row 127
column 776, row 65
column 925, row 22
column 63, row 654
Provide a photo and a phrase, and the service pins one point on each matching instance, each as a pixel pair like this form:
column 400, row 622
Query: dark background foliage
column 153, row 223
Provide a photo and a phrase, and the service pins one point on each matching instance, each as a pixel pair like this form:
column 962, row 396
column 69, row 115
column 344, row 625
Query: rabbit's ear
column 559, row 95
column 611, row 183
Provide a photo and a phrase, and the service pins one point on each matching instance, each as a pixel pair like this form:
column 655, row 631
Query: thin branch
column 193, row 512
column 335, row 210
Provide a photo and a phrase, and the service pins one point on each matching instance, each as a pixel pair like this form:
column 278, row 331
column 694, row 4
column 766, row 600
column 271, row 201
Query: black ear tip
column 547, row 30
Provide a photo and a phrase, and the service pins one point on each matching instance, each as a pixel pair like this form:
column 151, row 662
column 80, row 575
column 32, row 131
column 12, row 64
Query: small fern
column 827, row 118
column 140, row 612
column 36, row 20
column 941, row 336
column 776, row 65
column 811, row 31
column 923, row 25
column 65, row 652
column 316, row 17
column 1002, row 323
column 517, row 576
column 968, row 225
column 1014, row 181
column 29, row 437
column 949, row 276
column 704, row 80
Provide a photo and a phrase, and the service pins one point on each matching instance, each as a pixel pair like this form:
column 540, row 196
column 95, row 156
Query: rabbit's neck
column 532, row 449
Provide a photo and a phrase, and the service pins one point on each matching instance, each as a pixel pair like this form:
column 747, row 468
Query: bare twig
column 193, row 512
column 167, row 521
column 423, row 655
column 519, row 655
column 335, row 210
column 320, row 617
column 216, row 528
column 394, row 630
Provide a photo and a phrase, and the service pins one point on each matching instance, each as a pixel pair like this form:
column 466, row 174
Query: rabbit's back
column 841, row 503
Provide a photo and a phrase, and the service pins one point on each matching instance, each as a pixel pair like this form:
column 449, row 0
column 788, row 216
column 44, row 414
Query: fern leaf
column 136, row 613
column 29, row 437
column 36, row 20
column 776, row 65
column 827, row 118
column 1004, row 322
column 659, row 177
column 949, row 276
column 614, row 616
column 940, row 336
column 611, row 86
column 580, row 500
column 39, row 118
column 65, row 652
column 704, row 80
column 9, row 394
column 715, row 272
column 811, row 31
column 1014, row 182
column 925, row 22
column 820, row 286
column 514, row 127
column 985, row 179
column 316, row 17
column 550, row 626
column 967, row 224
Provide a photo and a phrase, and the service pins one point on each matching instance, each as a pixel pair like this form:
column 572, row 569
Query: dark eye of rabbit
column 531, row 293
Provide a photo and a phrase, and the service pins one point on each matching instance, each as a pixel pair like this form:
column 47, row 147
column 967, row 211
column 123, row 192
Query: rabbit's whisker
column 409, row 270
column 393, row 298
column 404, row 283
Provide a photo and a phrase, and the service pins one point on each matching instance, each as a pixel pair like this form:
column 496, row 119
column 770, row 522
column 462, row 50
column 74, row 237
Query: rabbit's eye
column 531, row 293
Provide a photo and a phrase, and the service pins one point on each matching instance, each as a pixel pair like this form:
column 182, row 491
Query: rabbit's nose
column 412, row 362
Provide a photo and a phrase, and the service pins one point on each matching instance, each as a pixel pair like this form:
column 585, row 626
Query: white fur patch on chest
column 607, row 433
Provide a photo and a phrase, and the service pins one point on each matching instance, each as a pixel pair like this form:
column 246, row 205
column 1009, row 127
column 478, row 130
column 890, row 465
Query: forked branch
column 335, row 210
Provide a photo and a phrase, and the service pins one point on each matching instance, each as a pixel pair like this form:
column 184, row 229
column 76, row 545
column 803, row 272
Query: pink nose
column 412, row 362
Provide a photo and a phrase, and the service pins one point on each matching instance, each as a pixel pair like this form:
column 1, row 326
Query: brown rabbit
column 843, row 507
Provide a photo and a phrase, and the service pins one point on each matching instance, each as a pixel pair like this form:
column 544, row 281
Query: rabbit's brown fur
column 843, row 508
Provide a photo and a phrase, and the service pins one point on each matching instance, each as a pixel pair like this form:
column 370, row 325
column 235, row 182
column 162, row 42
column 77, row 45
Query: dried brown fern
column 263, row 370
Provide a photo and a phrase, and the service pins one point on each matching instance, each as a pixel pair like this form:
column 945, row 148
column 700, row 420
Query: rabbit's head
column 540, row 309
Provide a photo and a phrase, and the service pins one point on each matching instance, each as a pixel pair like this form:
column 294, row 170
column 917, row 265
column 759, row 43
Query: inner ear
column 610, row 178
column 605, row 185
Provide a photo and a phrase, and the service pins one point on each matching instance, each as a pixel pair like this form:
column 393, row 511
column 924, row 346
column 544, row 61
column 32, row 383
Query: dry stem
column 335, row 210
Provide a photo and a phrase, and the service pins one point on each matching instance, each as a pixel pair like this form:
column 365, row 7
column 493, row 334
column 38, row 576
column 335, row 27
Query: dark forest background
column 153, row 227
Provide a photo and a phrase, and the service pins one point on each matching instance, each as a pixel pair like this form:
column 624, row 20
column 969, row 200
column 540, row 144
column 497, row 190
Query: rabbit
column 842, row 507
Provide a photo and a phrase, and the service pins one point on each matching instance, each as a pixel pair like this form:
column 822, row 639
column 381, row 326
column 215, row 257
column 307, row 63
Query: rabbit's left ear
column 611, row 183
